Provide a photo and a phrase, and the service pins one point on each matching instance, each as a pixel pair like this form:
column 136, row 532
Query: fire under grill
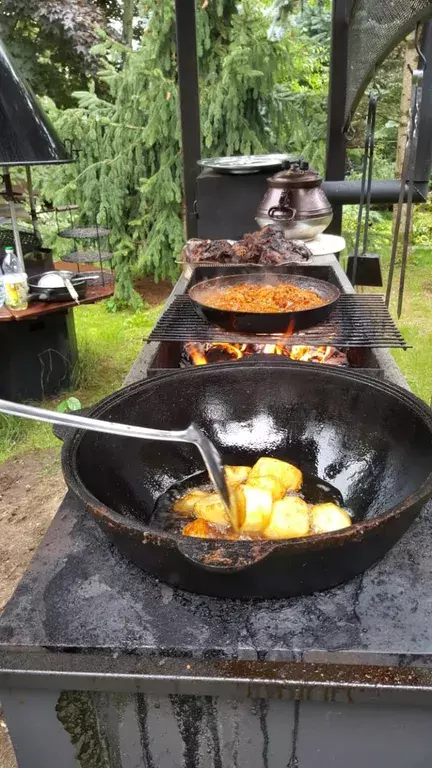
column 195, row 353
column 358, row 320
column 358, row 324
column 171, row 355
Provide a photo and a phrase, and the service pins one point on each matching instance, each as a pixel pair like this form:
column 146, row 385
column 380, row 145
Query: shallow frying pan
column 56, row 293
column 263, row 322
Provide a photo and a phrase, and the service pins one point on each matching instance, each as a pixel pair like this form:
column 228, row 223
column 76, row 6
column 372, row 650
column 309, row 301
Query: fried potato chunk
column 212, row 509
column 201, row 529
column 185, row 505
column 236, row 475
column 254, row 506
column 289, row 519
column 288, row 474
column 269, row 483
column 328, row 517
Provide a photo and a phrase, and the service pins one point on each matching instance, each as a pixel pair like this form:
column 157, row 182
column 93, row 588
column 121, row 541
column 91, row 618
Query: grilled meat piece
column 209, row 250
column 242, row 253
column 276, row 249
column 269, row 256
column 220, row 251
column 195, row 249
column 297, row 250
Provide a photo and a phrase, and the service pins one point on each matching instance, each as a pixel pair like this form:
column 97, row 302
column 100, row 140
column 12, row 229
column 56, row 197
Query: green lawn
column 108, row 343
column 415, row 322
column 416, row 325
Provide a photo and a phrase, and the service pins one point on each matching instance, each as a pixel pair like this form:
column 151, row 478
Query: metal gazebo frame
column 342, row 191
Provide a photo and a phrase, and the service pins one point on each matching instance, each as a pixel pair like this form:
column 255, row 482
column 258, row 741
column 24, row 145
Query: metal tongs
column 407, row 179
column 192, row 434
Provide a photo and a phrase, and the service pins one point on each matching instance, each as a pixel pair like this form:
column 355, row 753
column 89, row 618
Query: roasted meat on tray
column 266, row 246
column 220, row 251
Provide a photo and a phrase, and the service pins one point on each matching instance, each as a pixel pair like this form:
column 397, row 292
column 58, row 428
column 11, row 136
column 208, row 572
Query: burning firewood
column 221, row 352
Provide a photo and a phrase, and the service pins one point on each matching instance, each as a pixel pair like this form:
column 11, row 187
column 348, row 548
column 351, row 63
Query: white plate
column 246, row 163
column 325, row 245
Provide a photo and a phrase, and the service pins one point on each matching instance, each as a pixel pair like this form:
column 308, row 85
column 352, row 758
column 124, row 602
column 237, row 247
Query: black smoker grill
column 358, row 324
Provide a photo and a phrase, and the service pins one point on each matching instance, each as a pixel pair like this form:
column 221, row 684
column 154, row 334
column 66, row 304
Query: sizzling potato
column 290, row 476
column 254, row 506
column 185, row 505
column 262, row 508
column 328, row 517
column 289, row 519
column 201, row 529
column 269, row 483
column 212, row 509
column 236, row 475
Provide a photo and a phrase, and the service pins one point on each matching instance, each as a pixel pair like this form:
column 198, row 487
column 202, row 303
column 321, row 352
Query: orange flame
column 232, row 349
column 196, row 355
column 291, row 328
column 302, row 352
column 326, row 354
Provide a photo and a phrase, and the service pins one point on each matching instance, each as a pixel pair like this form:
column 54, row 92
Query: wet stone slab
column 81, row 594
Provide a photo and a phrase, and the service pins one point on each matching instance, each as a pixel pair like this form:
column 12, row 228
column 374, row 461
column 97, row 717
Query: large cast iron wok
column 263, row 322
column 371, row 440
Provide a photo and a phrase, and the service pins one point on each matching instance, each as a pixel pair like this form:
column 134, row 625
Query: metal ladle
column 192, row 434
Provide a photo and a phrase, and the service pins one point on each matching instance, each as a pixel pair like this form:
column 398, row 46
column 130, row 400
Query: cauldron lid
column 294, row 176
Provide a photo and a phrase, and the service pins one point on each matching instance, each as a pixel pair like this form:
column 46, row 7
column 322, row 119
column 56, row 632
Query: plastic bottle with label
column 15, row 282
column 2, row 290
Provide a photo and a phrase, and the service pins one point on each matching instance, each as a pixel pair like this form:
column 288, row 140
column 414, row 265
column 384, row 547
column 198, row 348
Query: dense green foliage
column 51, row 42
column 263, row 68
column 258, row 92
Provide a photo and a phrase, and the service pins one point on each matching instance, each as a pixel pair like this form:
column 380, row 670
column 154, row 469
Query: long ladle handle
column 190, row 435
column 95, row 425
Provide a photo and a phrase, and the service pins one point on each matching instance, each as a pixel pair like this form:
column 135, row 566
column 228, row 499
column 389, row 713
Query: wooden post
column 189, row 106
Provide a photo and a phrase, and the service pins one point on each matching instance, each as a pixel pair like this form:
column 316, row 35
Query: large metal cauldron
column 370, row 439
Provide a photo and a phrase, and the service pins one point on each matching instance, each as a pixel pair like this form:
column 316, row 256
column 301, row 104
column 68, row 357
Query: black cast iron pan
column 261, row 322
column 370, row 440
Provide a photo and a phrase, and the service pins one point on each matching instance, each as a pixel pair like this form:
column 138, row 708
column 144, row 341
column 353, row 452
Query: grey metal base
column 70, row 729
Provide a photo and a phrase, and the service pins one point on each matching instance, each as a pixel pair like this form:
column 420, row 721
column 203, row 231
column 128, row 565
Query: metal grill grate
column 87, row 257
column 374, row 29
column 356, row 321
column 85, row 233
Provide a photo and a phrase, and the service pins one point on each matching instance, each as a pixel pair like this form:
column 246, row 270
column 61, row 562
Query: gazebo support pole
column 32, row 202
column 189, row 107
column 336, row 143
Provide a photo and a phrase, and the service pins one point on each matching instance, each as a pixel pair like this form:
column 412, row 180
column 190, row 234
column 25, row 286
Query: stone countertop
column 80, row 593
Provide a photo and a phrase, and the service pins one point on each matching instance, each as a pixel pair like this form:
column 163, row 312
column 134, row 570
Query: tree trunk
column 128, row 12
column 410, row 60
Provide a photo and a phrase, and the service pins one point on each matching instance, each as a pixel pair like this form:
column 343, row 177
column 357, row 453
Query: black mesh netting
column 375, row 28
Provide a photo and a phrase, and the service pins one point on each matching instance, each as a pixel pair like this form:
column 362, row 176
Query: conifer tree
column 129, row 170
